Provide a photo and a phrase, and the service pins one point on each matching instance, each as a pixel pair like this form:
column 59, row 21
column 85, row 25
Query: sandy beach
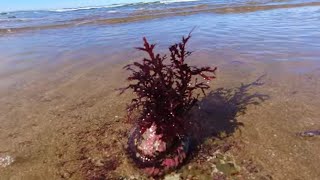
column 62, row 118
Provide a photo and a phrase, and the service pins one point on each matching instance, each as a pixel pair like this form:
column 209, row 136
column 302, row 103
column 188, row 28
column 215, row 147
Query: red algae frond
column 165, row 91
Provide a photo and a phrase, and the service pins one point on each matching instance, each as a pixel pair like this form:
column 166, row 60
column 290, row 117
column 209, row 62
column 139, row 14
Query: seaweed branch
column 166, row 91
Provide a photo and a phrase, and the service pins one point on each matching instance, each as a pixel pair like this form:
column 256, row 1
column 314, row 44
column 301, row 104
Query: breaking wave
column 122, row 5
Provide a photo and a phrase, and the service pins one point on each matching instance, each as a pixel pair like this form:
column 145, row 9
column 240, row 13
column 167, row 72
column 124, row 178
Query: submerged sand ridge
column 67, row 122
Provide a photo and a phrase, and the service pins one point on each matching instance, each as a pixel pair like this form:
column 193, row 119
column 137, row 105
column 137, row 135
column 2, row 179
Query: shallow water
column 286, row 32
column 59, row 71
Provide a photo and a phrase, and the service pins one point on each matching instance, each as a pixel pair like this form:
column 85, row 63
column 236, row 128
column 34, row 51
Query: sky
column 13, row 5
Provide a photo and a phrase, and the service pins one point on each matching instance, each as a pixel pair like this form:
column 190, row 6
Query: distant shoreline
column 146, row 15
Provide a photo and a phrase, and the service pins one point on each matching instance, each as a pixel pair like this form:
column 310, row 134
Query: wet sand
column 64, row 120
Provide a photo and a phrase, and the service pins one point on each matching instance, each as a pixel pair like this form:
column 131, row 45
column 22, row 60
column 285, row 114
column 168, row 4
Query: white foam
column 75, row 9
column 175, row 1
column 119, row 5
column 112, row 11
column 87, row 8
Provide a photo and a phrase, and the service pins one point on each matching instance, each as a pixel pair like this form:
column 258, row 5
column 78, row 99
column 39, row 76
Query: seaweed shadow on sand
column 218, row 111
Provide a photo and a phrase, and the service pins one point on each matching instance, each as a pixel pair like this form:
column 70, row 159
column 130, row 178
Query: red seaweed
column 166, row 91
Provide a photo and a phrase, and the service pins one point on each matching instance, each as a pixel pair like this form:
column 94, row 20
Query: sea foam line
column 120, row 5
column 176, row 1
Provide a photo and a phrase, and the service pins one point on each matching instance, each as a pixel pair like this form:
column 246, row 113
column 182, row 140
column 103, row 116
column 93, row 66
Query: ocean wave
column 74, row 9
column 122, row 5
column 111, row 11
column 4, row 19
column 19, row 19
column 153, row 14
column 88, row 8
column 176, row 1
